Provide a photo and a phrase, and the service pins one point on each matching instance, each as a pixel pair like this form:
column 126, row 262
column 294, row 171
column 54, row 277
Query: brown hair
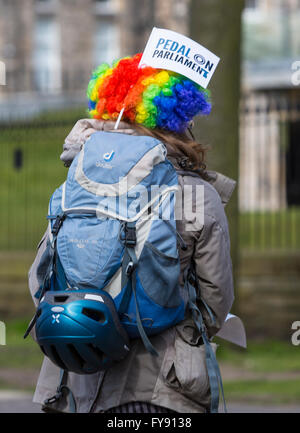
column 189, row 154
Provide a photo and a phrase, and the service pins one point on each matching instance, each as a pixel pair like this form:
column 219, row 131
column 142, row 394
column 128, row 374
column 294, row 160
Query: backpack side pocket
column 159, row 276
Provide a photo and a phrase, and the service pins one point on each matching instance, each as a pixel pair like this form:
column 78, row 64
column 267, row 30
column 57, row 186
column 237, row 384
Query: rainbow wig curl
column 151, row 97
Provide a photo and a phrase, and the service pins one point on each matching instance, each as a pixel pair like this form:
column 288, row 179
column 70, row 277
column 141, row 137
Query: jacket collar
column 82, row 130
column 223, row 185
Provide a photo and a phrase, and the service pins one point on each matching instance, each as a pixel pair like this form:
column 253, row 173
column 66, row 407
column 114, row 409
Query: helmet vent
column 61, row 298
column 57, row 358
column 96, row 350
column 96, row 315
column 76, row 355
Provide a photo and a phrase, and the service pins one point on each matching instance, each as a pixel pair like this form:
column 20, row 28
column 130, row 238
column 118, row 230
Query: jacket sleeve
column 214, row 267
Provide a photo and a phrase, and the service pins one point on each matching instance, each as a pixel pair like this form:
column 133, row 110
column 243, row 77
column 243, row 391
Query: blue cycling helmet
column 80, row 330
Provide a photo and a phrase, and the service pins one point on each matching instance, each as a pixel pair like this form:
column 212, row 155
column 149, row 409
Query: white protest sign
column 169, row 50
column 233, row 330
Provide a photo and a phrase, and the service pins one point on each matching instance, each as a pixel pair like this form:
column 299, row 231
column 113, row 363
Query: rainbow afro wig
column 148, row 96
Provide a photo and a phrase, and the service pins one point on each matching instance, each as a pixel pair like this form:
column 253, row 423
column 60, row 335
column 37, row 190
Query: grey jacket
column 177, row 378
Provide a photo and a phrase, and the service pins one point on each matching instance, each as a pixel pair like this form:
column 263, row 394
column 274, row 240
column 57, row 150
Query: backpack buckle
column 58, row 223
column 53, row 399
column 129, row 268
column 130, row 235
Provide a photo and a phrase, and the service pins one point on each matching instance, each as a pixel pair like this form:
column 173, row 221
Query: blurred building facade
column 50, row 47
column 270, row 106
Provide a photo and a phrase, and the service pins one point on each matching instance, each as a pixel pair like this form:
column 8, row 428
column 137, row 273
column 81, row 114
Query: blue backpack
column 114, row 226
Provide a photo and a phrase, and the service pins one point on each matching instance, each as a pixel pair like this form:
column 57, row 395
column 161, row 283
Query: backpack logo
column 108, row 156
column 80, row 245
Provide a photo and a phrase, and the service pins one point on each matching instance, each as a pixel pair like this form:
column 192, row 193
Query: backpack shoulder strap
column 61, row 390
column 129, row 265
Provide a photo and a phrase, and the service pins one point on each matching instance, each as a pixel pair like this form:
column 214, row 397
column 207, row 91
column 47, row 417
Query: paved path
column 17, row 402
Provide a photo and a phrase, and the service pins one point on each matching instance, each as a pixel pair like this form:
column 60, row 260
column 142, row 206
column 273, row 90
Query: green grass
column 263, row 391
column 270, row 365
column 20, row 360
column 264, row 356
column 19, row 352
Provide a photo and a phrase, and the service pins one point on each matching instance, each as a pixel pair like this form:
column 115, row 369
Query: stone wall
column 16, row 24
column 76, row 35
column 76, row 27
column 138, row 17
column 268, row 293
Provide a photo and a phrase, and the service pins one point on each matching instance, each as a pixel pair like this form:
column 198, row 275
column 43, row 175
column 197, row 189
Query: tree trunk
column 137, row 21
column 216, row 24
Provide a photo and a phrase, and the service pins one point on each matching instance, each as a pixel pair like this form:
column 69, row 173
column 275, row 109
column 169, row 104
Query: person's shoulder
column 205, row 197
column 211, row 195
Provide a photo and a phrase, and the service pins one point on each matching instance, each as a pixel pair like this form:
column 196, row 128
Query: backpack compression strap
column 129, row 266
column 61, row 389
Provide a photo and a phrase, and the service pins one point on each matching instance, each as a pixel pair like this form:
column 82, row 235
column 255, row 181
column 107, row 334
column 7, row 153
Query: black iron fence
column 269, row 181
column 269, row 174
column 30, row 170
